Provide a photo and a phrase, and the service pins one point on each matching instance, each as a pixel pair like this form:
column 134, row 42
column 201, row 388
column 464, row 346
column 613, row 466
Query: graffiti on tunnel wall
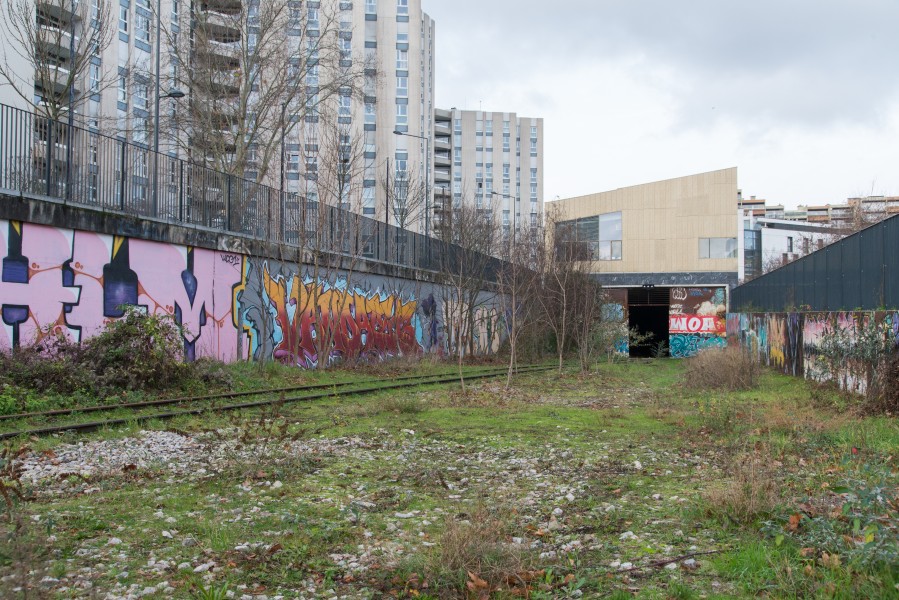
column 73, row 282
column 792, row 342
column 229, row 306
column 696, row 321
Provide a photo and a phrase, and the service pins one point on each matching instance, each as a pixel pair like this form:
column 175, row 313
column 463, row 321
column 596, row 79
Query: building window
column 344, row 110
column 402, row 87
column 142, row 28
column 123, row 89
column 371, row 7
column 140, row 96
column 610, row 236
column 457, row 125
column 717, row 247
column 402, row 60
column 95, row 78
column 370, row 115
column 402, row 7
column 596, row 238
column 123, row 20
column 402, row 114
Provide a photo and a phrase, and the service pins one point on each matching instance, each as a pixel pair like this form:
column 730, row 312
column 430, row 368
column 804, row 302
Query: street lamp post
column 174, row 93
column 427, row 177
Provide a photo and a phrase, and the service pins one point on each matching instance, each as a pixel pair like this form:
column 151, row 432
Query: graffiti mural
column 697, row 320
column 791, row 342
column 305, row 315
column 74, row 282
column 229, row 306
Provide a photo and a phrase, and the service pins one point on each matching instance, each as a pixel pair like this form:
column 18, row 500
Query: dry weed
column 475, row 545
column 884, row 397
column 750, row 492
column 725, row 368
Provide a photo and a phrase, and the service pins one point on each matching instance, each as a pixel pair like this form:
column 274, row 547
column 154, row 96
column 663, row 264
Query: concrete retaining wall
column 235, row 298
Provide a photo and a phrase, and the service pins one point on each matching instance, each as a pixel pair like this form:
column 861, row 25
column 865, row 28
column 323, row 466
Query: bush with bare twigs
column 726, row 368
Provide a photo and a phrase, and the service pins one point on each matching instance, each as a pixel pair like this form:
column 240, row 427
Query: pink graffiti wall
column 73, row 282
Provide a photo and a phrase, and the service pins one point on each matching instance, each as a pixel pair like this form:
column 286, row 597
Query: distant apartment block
column 493, row 160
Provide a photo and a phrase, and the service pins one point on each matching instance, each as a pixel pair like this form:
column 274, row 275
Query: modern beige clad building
column 667, row 252
column 680, row 231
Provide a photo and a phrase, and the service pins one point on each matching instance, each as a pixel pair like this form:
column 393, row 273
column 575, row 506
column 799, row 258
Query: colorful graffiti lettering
column 354, row 323
column 792, row 342
column 687, row 345
column 697, row 319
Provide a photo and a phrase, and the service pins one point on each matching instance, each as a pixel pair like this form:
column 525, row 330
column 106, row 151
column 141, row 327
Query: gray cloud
column 805, row 63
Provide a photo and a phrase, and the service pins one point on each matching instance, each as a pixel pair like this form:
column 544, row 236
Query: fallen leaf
column 476, row 582
column 794, row 521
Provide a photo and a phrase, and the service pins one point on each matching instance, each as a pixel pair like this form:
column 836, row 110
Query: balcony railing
column 52, row 161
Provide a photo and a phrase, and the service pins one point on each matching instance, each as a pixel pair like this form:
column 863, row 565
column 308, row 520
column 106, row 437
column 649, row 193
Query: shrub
column 722, row 368
column 884, row 395
column 138, row 351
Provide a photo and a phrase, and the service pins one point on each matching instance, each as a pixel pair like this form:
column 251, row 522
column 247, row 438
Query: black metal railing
column 52, row 160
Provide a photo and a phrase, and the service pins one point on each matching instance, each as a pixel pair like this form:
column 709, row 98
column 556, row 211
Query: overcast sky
column 801, row 95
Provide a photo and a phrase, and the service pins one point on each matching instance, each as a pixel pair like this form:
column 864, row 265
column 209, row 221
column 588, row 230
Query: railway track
column 318, row 392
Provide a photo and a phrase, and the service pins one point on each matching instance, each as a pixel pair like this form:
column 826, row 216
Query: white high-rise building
column 388, row 44
column 496, row 161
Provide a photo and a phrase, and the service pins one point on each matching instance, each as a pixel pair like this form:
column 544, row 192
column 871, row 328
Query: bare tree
column 255, row 72
column 56, row 41
column 518, row 281
column 334, row 238
column 406, row 203
column 563, row 265
column 587, row 302
column 471, row 239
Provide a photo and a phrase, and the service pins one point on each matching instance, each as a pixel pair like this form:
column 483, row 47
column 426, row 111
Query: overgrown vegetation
column 728, row 368
column 615, row 483
column 138, row 352
column 861, row 357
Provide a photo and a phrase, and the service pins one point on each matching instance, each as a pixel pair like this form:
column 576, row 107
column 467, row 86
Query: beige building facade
column 667, row 253
column 681, row 231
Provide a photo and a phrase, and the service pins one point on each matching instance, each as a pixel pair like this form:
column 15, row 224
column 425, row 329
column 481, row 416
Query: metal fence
column 42, row 158
column 860, row 272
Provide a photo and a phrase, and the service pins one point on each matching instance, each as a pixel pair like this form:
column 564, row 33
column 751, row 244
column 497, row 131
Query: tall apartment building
column 492, row 159
column 226, row 117
column 394, row 116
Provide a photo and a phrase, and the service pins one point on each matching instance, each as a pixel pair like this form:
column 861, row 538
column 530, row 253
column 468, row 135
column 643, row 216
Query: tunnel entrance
column 648, row 310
